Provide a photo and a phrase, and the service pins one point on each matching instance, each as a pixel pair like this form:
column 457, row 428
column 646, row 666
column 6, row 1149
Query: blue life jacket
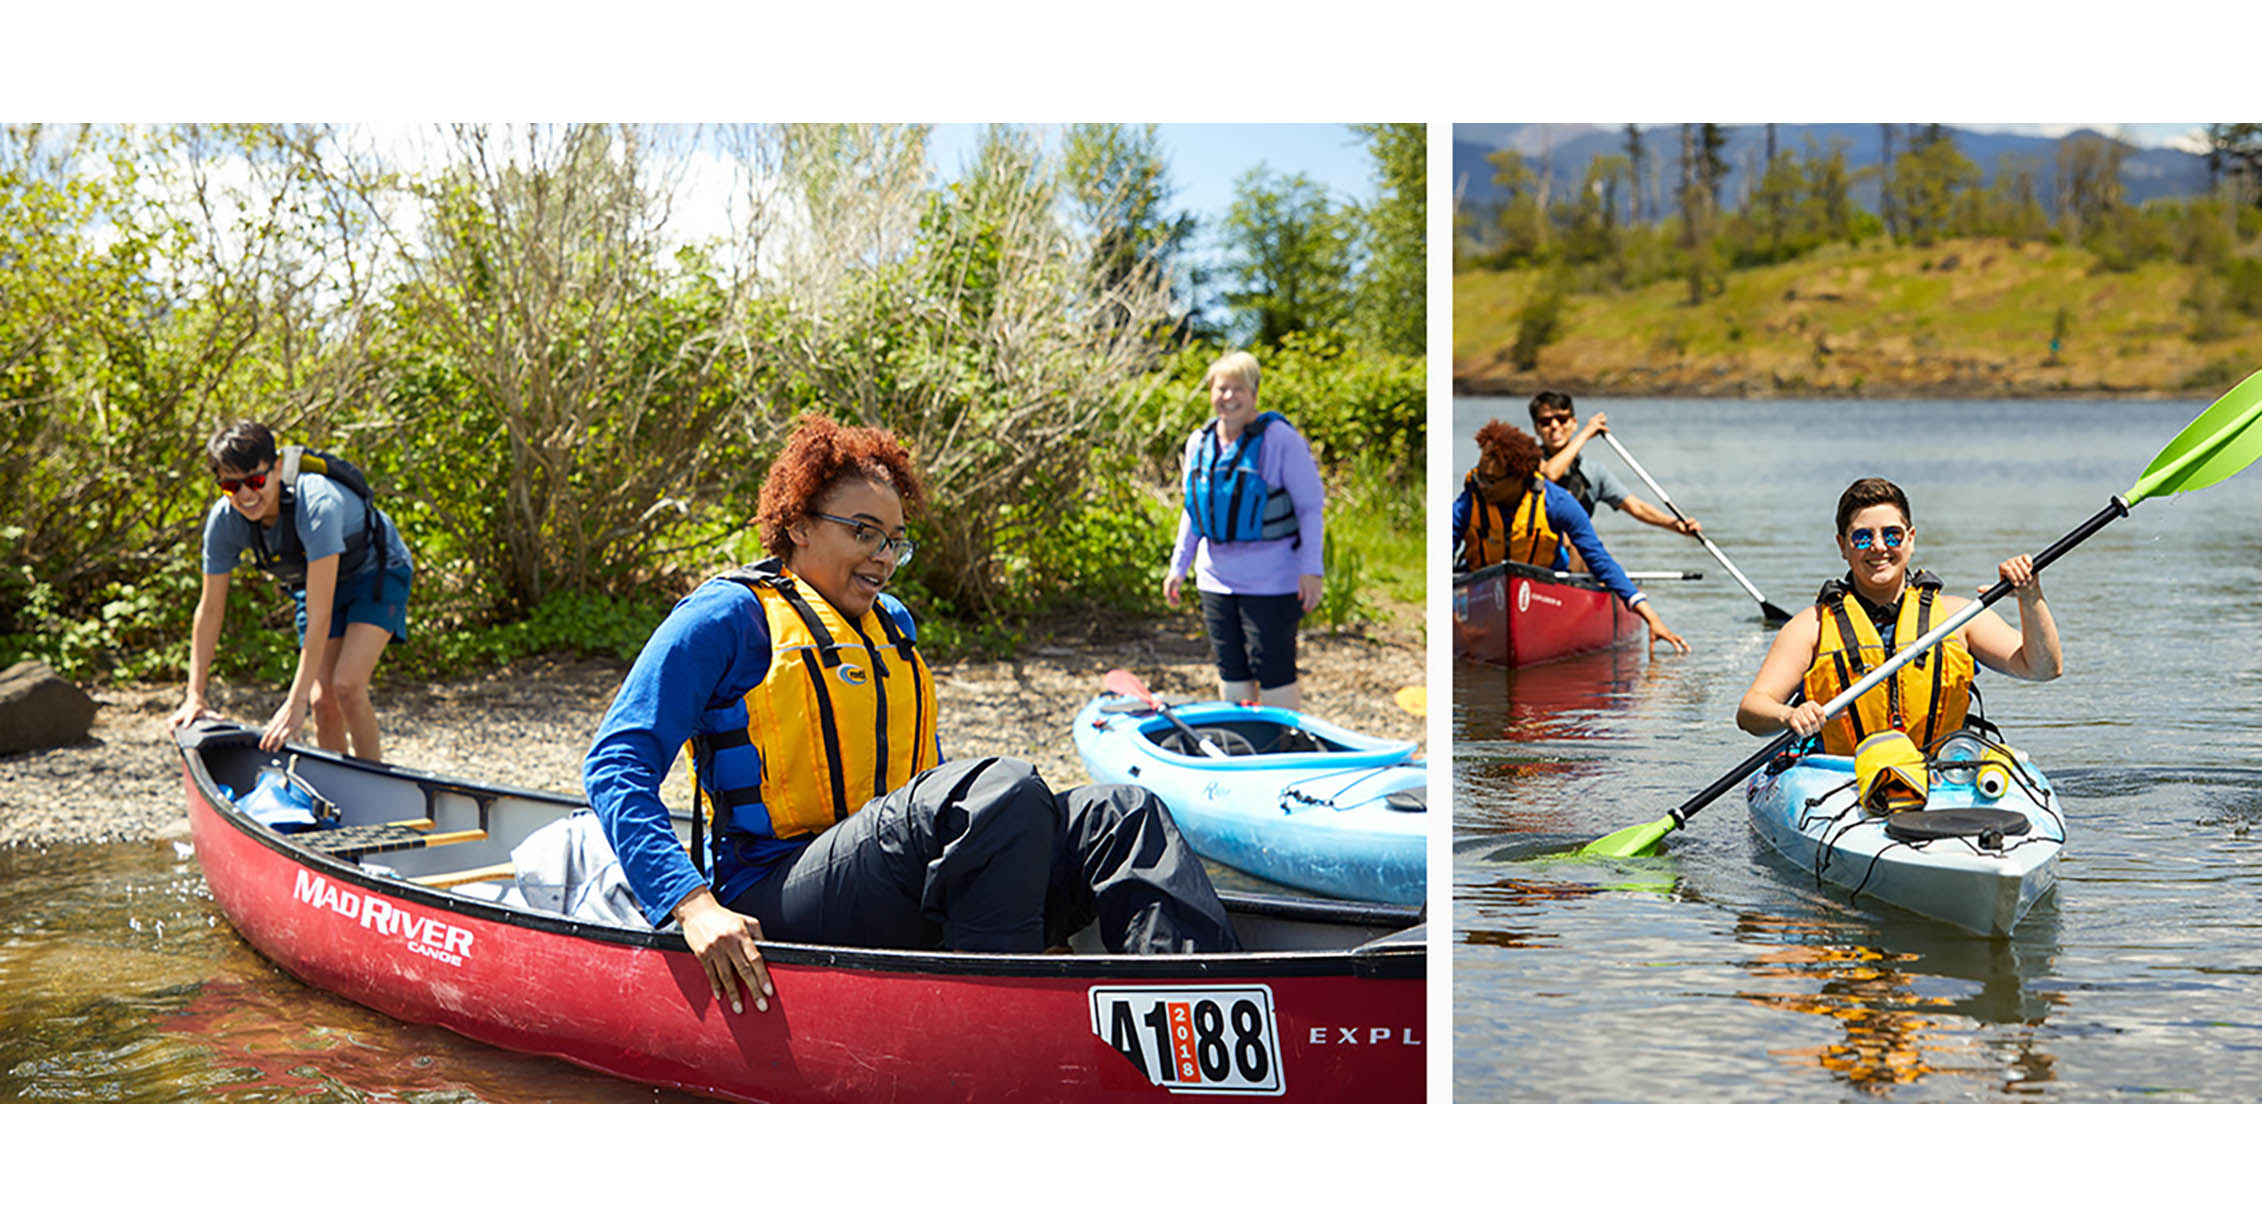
column 1225, row 498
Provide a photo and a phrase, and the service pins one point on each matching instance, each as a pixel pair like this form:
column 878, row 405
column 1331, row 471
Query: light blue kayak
column 1978, row 855
column 1293, row 799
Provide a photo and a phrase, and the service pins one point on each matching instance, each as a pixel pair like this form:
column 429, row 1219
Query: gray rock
column 39, row 708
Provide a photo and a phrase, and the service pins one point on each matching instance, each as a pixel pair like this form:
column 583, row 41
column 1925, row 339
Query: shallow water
column 1720, row 972
column 120, row 981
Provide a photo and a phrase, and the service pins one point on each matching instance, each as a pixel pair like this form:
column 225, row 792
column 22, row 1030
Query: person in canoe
column 1506, row 511
column 1561, row 439
column 797, row 688
column 1856, row 619
column 1249, row 527
column 345, row 564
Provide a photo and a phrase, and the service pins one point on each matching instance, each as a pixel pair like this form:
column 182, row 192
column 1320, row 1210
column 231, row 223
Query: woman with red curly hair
column 1506, row 511
column 797, row 688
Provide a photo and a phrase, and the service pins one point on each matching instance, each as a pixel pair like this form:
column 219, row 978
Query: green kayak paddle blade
column 2219, row 442
column 1632, row 841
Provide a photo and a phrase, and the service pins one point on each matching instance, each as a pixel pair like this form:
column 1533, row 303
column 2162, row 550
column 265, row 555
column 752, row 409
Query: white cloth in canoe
column 568, row 867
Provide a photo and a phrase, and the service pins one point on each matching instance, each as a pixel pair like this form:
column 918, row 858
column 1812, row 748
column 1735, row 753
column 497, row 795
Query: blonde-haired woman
column 1249, row 529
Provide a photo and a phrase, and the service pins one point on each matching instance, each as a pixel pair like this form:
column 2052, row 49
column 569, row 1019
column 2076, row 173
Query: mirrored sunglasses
column 1863, row 539
column 257, row 481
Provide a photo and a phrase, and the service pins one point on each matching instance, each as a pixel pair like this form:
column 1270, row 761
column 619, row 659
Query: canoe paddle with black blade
column 1124, row 682
column 2219, row 442
column 1768, row 610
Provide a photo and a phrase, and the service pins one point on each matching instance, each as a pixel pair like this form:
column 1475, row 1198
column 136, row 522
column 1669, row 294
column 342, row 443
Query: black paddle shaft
column 2050, row 554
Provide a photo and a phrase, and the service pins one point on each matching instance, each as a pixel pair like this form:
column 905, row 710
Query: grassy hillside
column 1966, row 317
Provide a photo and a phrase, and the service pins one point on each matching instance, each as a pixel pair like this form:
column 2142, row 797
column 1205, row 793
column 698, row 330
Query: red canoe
column 1516, row 615
column 1327, row 1005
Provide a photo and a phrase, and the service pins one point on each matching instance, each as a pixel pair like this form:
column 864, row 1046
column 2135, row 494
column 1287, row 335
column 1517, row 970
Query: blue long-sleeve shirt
column 1570, row 520
column 712, row 648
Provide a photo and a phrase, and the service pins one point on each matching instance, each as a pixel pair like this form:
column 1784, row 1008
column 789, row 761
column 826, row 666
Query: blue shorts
column 1254, row 636
column 379, row 598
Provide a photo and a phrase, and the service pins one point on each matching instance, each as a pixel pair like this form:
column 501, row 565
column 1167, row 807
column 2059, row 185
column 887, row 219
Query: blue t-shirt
column 325, row 513
column 712, row 648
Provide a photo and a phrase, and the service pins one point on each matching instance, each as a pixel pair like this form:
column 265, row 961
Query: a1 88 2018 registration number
column 1204, row 1039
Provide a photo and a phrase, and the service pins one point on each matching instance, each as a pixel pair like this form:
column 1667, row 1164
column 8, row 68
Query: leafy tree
column 1119, row 190
column 1523, row 212
column 1928, row 179
column 1290, row 257
column 1390, row 301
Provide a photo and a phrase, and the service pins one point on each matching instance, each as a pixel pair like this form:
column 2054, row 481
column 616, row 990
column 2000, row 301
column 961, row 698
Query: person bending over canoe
column 1855, row 621
column 347, row 568
column 798, row 689
column 1506, row 511
column 1561, row 439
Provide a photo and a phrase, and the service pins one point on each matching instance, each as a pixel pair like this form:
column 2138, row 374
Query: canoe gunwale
column 1379, row 957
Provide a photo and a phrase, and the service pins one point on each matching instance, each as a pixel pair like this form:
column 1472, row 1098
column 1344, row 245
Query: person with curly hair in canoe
column 797, row 688
column 1855, row 621
column 1506, row 511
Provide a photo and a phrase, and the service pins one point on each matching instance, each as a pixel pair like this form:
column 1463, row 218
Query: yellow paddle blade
column 1632, row 841
column 2224, row 439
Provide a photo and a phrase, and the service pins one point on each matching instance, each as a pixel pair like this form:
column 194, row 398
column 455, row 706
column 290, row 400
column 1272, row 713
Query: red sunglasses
column 257, row 481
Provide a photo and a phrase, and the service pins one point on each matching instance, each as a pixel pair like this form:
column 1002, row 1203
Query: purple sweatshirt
column 1261, row 568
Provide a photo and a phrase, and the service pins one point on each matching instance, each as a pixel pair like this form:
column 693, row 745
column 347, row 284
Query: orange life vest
column 1925, row 699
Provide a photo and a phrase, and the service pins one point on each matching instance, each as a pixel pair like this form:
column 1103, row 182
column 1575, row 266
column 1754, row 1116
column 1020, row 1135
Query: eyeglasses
column 257, row 481
column 1894, row 536
column 1551, row 419
column 873, row 540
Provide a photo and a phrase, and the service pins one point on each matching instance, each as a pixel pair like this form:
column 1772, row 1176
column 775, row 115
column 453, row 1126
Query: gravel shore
column 527, row 724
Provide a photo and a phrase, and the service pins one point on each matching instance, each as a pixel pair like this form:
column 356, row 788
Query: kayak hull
column 1513, row 615
column 1337, row 822
column 1806, row 813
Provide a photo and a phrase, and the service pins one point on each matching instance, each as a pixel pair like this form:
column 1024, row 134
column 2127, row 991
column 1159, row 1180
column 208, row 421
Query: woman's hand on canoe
column 724, row 942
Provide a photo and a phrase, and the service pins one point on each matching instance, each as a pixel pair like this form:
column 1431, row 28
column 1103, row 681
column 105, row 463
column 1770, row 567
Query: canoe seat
column 1961, row 822
column 363, row 839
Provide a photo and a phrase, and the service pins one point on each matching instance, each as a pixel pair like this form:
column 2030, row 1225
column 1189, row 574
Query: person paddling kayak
column 1506, row 511
column 1855, row 621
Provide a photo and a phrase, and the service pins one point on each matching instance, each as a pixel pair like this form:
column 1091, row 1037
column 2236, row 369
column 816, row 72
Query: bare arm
column 1650, row 514
column 1766, row 708
column 204, row 644
column 1554, row 467
column 2032, row 651
column 321, row 590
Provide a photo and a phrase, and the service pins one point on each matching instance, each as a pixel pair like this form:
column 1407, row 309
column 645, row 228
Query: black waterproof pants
column 980, row 855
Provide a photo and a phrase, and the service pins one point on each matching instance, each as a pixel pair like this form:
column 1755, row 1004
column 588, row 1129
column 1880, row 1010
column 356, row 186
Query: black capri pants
column 1254, row 636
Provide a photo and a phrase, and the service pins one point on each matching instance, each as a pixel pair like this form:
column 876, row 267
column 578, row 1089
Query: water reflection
column 123, row 984
column 1567, row 700
column 1906, row 997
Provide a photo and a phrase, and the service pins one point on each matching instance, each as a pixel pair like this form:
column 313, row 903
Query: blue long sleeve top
column 1570, row 520
column 712, row 648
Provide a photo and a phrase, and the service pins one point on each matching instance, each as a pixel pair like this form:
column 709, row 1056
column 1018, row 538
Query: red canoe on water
column 1516, row 615
column 1326, row 1005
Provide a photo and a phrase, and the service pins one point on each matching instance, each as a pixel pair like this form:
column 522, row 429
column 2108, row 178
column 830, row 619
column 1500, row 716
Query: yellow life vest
column 1926, row 698
column 845, row 714
column 1524, row 535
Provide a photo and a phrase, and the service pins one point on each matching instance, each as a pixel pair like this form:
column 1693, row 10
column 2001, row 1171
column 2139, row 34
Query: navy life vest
column 1226, row 499
column 287, row 561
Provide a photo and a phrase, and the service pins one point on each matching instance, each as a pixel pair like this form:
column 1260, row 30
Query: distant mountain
column 1565, row 150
